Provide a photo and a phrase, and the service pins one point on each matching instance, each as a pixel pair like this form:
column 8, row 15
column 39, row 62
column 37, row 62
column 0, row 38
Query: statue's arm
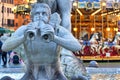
column 65, row 13
column 67, row 40
column 15, row 40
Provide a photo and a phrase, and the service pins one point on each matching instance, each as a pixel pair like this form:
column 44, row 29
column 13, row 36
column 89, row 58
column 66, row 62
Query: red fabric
column 87, row 51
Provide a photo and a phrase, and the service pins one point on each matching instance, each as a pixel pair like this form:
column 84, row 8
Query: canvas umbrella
column 8, row 31
column 2, row 30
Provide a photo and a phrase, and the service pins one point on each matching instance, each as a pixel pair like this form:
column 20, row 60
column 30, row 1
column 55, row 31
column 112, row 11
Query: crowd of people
column 11, row 58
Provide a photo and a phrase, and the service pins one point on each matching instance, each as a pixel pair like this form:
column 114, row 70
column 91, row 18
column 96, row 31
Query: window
column 16, row 24
column 10, row 22
column 11, row 1
column 8, row 10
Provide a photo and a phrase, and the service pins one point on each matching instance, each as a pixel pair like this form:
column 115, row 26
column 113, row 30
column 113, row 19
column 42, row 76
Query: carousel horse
column 89, row 47
column 94, row 43
column 116, row 43
column 100, row 43
column 113, row 46
column 85, row 46
column 105, row 47
column 116, row 39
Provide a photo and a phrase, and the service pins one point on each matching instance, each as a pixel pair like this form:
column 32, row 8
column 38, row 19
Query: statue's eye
column 44, row 13
column 31, row 35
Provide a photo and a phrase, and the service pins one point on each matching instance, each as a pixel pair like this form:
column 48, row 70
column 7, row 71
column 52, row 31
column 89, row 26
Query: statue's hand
column 30, row 34
column 47, row 33
column 31, row 30
column 33, row 25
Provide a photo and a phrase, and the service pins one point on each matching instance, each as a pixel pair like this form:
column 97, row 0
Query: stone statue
column 42, row 43
column 63, row 7
column 71, row 66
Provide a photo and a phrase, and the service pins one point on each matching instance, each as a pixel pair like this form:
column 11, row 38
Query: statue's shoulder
column 20, row 30
column 61, row 31
column 22, row 27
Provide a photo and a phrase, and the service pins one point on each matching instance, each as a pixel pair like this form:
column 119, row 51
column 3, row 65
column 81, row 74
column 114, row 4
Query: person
column 4, row 58
column 14, row 58
column 42, row 45
column 0, row 50
column 3, row 53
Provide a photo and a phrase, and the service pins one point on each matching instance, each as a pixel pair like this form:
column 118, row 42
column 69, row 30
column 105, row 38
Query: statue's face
column 41, row 14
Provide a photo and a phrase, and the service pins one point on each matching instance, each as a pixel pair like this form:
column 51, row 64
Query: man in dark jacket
column 3, row 54
column 0, row 50
column 4, row 58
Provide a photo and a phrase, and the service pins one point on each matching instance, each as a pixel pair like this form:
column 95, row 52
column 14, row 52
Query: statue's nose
column 40, row 15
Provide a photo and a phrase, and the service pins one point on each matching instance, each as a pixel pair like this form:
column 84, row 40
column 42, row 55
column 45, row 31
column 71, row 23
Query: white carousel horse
column 114, row 45
column 94, row 43
column 116, row 41
column 93, row 38
column 90, row 47
column 100, row 43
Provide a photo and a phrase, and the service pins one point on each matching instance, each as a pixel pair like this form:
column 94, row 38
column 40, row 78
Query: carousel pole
column 102, row 27
column 118, row 27
column 103, row 3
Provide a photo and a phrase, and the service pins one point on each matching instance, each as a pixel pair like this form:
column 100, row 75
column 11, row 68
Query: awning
column 4, row 30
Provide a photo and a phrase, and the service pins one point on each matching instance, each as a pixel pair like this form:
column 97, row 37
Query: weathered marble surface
column 63, row 7
column 71, row 65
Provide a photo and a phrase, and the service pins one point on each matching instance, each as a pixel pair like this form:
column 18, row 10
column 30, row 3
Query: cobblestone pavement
column 95, row 73
column 14, row 72
column 104, row 73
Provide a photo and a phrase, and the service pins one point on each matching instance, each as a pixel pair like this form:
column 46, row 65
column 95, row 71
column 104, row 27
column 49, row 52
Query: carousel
column 98, row 29
column 96, row 49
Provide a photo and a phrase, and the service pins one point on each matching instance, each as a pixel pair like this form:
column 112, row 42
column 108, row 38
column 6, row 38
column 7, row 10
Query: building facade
column 21, row 17
column 6, row 14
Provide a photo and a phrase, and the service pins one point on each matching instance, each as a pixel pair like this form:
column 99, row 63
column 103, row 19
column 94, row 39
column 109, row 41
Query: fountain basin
column 94, row 73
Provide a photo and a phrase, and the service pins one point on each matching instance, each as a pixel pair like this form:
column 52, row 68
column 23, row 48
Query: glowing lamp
column 92, row 29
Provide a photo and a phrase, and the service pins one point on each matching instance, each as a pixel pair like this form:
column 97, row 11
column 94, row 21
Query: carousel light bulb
column 75, row 29
column 92, row 29
column 26, row 6
column 103, row 4
column 116, row 29
column 108, row 29
column 74, row 4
